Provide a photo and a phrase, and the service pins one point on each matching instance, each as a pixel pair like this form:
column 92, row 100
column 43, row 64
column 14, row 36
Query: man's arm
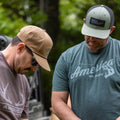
column 60, row 107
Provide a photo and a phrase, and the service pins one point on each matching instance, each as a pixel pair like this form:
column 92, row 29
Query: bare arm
column 60, row 107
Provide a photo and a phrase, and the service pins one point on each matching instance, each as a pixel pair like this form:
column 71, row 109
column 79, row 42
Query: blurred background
column 62, row 19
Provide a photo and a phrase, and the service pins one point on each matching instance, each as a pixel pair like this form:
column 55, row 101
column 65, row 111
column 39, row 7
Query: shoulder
column 114, row 46
column 23, row 79
column 4, row 67
column 114, row 41
column 76, row 47
column 68, row 56
column 24, row 82
column 72, row 51
column 1, row 57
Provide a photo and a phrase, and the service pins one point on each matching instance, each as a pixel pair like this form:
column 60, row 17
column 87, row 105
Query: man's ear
column 83, row 19
column 20, row 47
column 113, row 27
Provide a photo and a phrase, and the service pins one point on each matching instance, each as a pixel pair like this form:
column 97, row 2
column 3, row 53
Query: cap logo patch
column 97, row 22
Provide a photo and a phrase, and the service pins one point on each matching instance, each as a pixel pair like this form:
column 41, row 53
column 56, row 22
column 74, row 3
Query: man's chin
column 23, row 71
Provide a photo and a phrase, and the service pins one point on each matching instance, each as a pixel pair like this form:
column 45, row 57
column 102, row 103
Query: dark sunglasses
column 34, row 62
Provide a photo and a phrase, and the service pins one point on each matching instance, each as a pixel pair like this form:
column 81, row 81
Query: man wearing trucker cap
column 90, row 72
column 27, row 49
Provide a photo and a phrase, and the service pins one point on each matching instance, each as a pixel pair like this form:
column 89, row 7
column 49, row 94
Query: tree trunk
column 51, row 8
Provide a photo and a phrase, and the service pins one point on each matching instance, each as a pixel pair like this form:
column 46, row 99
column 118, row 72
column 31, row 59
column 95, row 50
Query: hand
column 118, row 118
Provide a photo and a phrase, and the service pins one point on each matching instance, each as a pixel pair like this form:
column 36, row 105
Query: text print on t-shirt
column 103, row 69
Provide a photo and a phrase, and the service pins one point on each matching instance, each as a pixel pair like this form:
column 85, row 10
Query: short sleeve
column 60, row 76
column 25, row 113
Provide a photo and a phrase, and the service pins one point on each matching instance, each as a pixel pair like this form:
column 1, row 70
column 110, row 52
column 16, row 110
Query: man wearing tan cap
column 28, row 48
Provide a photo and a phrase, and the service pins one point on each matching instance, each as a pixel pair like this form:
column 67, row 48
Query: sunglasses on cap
column 34, row 62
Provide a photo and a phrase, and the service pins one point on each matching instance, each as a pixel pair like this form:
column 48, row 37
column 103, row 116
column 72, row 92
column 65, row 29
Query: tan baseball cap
column 39, row 42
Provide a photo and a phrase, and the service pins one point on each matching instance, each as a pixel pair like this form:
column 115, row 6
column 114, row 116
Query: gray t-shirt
column 14, row 93
column 93, row 80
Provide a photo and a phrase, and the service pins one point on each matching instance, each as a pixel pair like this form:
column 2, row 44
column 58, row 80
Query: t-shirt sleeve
column 60, row 76
column 25, row 113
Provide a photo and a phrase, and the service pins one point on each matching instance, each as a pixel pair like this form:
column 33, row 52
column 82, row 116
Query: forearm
column 64, row 112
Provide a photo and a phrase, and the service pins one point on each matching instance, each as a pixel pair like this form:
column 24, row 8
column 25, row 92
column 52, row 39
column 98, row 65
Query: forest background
column 62, row 19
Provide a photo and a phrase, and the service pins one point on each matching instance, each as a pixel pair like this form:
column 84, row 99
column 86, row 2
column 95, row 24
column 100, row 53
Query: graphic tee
column 93, row 80
column 14, row 93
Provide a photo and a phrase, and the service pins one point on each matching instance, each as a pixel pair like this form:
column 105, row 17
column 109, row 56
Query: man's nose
column 91, row 38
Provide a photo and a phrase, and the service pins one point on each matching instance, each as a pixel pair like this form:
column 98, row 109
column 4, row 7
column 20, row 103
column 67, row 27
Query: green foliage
column 22, row 12
column 34, row 15
column 8, row 23
column 72, row 13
